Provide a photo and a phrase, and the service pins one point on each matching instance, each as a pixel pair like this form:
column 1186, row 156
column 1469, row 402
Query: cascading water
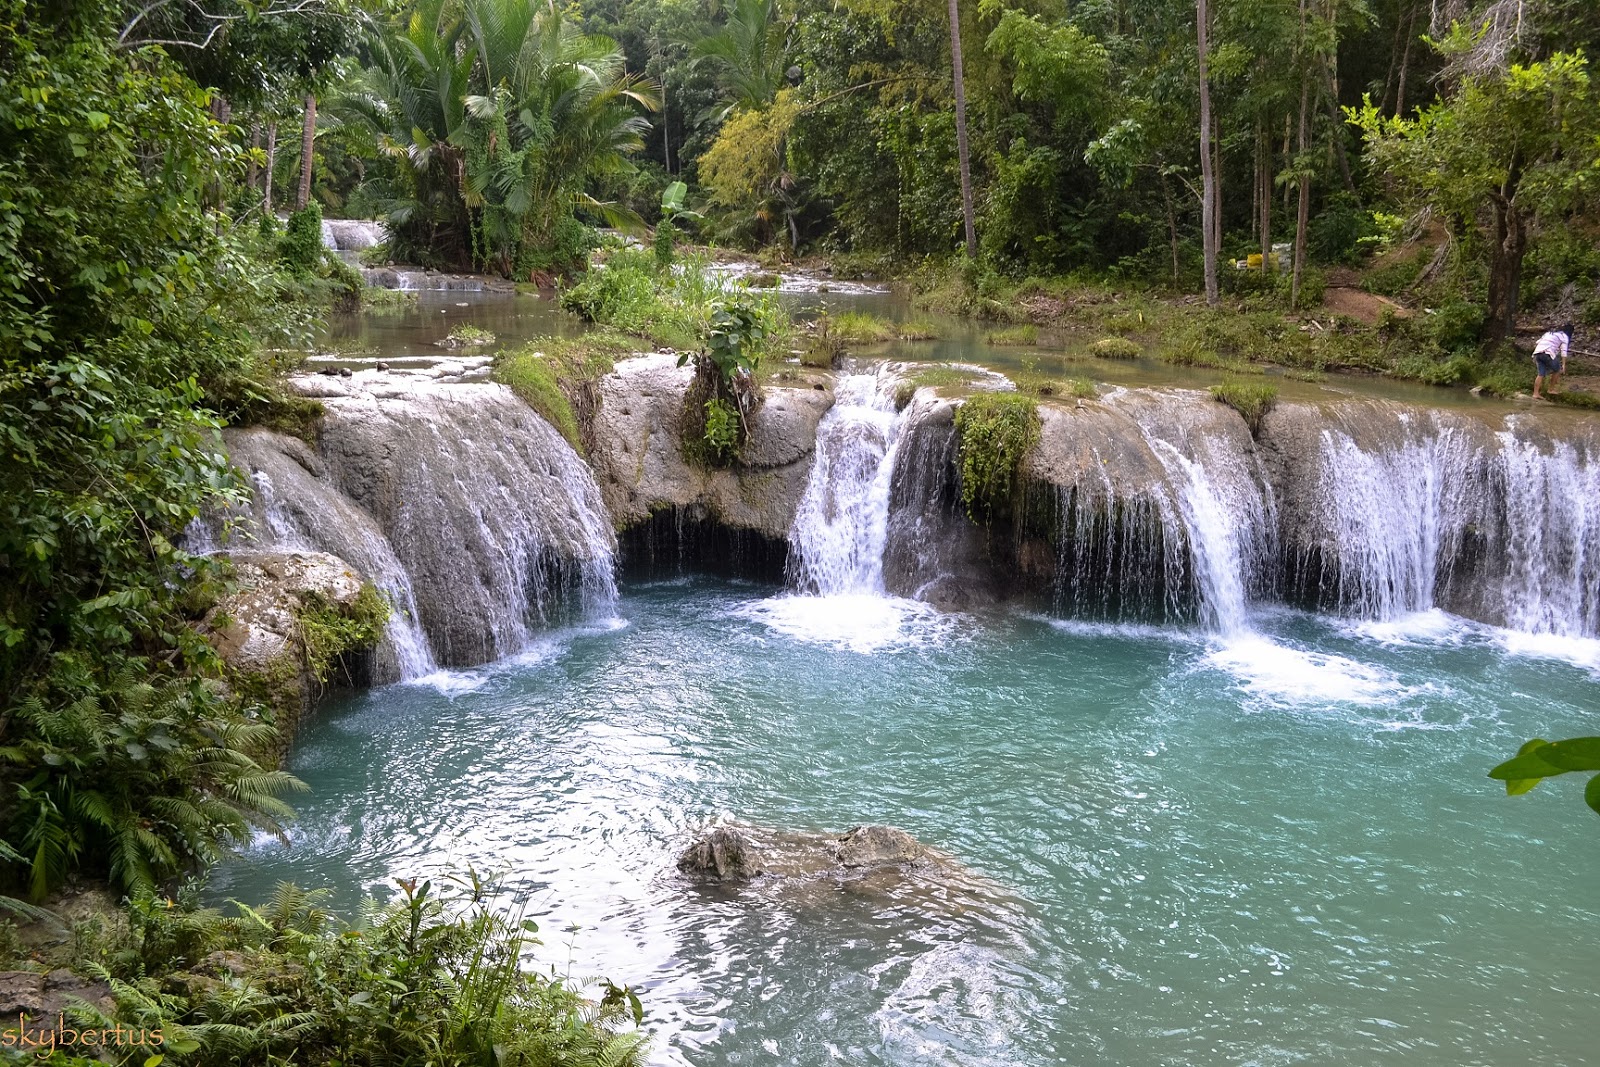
column 1552, row 545
column 1221, row 500
column 293, row 509
column 841, row 526
column 476, row 517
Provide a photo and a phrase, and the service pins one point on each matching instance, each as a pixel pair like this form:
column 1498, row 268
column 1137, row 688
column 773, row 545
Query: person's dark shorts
column 1547, row 364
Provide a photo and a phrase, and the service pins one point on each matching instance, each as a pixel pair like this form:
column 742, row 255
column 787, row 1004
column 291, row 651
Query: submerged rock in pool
column 725, row 853
column 875, row 846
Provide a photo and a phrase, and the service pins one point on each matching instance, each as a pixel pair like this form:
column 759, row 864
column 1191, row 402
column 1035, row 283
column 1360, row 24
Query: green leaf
column 1526, row 770
column 1574, row 754
column 1591, row 793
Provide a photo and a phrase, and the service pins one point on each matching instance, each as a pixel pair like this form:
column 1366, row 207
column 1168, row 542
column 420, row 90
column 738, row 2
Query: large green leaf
column 1591, row 793
column 1573, row 754
column 1527, row 769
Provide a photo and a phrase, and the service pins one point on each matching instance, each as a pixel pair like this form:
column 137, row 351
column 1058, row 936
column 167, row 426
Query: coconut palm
column 748, row 56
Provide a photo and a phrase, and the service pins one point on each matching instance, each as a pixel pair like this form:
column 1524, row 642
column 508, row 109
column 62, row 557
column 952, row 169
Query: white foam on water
column 1430, row 627
column 1124, row 631
column 855, row 622
column 1579, row 651
column 1284, row 676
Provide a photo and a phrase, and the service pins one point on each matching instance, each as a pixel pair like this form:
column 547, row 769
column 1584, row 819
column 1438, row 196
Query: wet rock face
column 639, row 462
column 257, row 629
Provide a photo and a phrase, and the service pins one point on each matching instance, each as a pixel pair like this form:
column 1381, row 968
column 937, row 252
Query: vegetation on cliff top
column 996, row 431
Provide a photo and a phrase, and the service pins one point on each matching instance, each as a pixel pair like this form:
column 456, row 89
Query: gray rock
column 877, row 846
column 41, row 997
column 640, row 466
column 725, row 853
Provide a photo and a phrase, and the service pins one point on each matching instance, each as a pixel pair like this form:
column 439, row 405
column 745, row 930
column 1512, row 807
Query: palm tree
column 748, row 56
column 503, row 110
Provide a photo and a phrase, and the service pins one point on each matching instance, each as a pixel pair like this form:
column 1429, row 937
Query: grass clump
column 943, row 377
column 1013, row 336
column 377, row 300
column 1252, row 400
column 995, row 432
column 1115, row 348
column 1587, row 401
column 855, row 327
column 1313, row 376
column 673, row 306
column 466, row 336
column 559, row 377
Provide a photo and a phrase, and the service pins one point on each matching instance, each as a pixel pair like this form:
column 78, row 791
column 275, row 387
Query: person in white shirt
column 1550, row 358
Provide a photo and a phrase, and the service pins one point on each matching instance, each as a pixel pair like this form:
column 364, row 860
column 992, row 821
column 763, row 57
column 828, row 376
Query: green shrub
column 301, row 247
column 1115, row 348
column 434, row 977
column 1395, row 277
column 995, row 432
column 1434, row 370
column 467, row 336
column 1252, row 400
column 1456, row 324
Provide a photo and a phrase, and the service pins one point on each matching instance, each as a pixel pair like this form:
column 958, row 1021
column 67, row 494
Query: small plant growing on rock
column 723, row 393
column 995, row 430
column 467, row 337
column 1252, row 400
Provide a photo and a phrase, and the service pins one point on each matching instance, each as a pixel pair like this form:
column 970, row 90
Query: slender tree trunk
column 1505, row 267
column 252, row 174
column 1208, row 177
column 1266, row 200
column 308, row 136
column 666, row 132
column 1405, row 63
column 963, row 156
column 1172, row 227
column 272, row 163
column 1394, row 61
column 1303, row 207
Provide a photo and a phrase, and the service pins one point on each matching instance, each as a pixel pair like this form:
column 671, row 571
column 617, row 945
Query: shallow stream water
column 1275, row 847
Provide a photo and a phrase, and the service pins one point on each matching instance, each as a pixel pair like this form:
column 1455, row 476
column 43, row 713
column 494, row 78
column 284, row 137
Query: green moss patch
column 995, row 430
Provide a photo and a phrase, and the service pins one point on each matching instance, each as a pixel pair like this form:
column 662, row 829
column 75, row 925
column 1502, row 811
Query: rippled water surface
column 1279, row 849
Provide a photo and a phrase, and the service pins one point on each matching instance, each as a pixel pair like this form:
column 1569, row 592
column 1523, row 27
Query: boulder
column 725, row 853
column 877, row 846
column 639, row 462
column 41, row 997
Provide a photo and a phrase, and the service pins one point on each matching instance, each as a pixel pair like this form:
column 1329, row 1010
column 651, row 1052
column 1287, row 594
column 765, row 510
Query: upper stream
column 1201, row 828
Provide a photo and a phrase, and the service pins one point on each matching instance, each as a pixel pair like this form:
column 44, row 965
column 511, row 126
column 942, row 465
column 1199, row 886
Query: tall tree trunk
column 308, row 136
column 666, row 132
column 1208, row 175
column 1266, row 200
column 962, row 154
column 1216, row 177
column 1505, row 267
column 272, row 163
column 1405, row 63
column 1303, row 207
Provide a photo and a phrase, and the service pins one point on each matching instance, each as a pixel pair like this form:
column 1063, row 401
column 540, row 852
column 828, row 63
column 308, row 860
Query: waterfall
column 476, row 518
column 1216, row 496
column 1551, row 567
column 841, row 526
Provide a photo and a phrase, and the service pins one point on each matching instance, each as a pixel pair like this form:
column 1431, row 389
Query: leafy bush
column 995, row 430
column 135, row 781
column 301, row 247
column 1457, row 324
column 434, row 977
column 1252, row 400
column 1114, row 348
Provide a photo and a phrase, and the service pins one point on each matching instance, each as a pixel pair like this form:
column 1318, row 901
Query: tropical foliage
column 499, row 114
